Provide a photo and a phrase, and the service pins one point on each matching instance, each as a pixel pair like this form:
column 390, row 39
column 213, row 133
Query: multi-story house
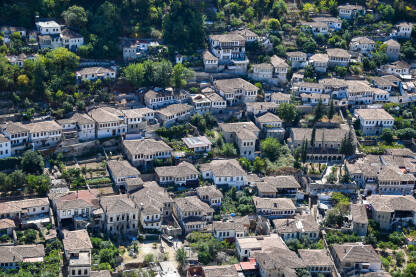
column 319, row 62
column 218, row 103
column 236, row 90
column 335, row 87
column 386, row 82
column 257, row 108
column 391, row 211
column 77, row 250
column 302, row 226
column 224, row 172
column 144, row 151
column 269, row 121
column 134, row 49
column 308, row 87
column 13, row 256
column 120, row 171
column 280, row 98
column 155, row 205
column 297, row 59
column 48, row 27
column 380, row 96
column 201, row 103
column 397, row 68
column 121, row 215
column 359, row 219
column 210, row 61
column 274, row 207
column 71, row 40
column 5, row 147
column 355, row 259
column 109, row 122
column 199, row 144
column 332, row 22
column 402, row 30
column 137, row 119
column 249, row 35
column 326, row 144
column 373, row 121
column 244, row 134
column 95, row 73
column 174, row 113
column 338, row 57
column 317, row 261
column 314, row 98
column 192, row 214
column 79, row 124
column 393, row 49
column 182, row 174
column 210, row 195
column 231, row 229
column 316, row 27
column 359, row 93
column 281, row 68
column 277, row 186
column 7, row 32
column 364, row 45
column 262, row 71
column 26, row 211
column 350, row 11
column 248, row 247
column 44, row 133
column 156, row 99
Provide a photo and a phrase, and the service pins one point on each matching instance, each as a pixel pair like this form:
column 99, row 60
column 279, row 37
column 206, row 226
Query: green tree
column 319, row 111
column 259, row 165
column 134, row 73
column 348, row 146
column 270, row 148
column 331, row 111
column 180, row 257
column 75, row 17
column 313, row 135
column 287, row 112
column 32, row 162
column 387, row 136
column 179, row 76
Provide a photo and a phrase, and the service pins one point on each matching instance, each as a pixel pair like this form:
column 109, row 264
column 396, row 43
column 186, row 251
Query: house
column 224, row 172
column 354, row 259
column 244, row 134
column 192, row 214
column 174, row 113
column 121, row 215
column 308, row 87
column 402, row 30
column 297, row 59
column 385, row 82
column 247, row 247
column 79, row 125
column 5, row 147
column 26, row 211
column 274, row 207
column 71, row 40
column 138, row 119
column 336, row 88
column 218, row 103
column 326, row 145
column 77, row 251
column 271, row 124
column 182, row 174
column 94, row 73
column 393, row 49
column 134, row 49
column 12, row 256
column 281, row 68
column 350, row 11
column 156, row 99
column 275, row 186
column 338, row 57
column 155, row 204
column 236, row 227
column 319, row 62
column 44, row 133
column 317, row 261
column 359, row 219
column 280, row 98
column 297, row 77
column 143, row 151
column 201, row 103
column 332, row 22
column 120, row 171
column 398, row 68
column 262, row 71
column 392, row 210
column 373, row 121
column 316, row 27
column 18, row 60
column 359, row 92
column 199, row 144
column 210, row 61
column 249, row 35
column 7, row 32
column 236, row 90
column 257, row 108
column 364, row 45
column 213, row 271
column 302, row 226
column 109, row 122
column 48, row 27
column 380, row 96
column 210, row 195
column 313, row 99
column 278, row 262
column 7, row 226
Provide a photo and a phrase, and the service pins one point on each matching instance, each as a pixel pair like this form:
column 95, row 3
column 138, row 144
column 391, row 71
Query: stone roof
column 6, row 223
column 299, row 224
column 398, row 64
column 338, row 52
column 321, row 58
column 146, row 146
column 224, row 168
column 392, row 203
column 402, row 152
column 75, row 241
column 243, row 130
column 237, row 224
column 377, row 274
column 232, row 85
column 175, row 109
column 281, row 182
column 351, row 7
column 220, row 270
column 314, row 96
column 101, row 273
column 183, row 169
column 268, row 118
column 278, row 260
column 20, row 205
column 362, row 40
column 359, row 214
column 333, row 83
column 106, row 114
column 229, row 37
column 262, row 243
column 309, row 85
column 75, row 200
column 332, row 135
column 192, row 203
column 211, row 191
column 94, row 70
column 276, row 96
column 278, row 62
column 151, row 198
column 22, row 253
column 381, row 81
column 245, row 32
column 261, row 105
column 326, row 19
column 207, row 55
column 79, row 118
column 296, row 54
column 121, row 168
column 69, row 34
column 43, row 126
column 392, row 43
column 282, row 204
column 355, row 253
column 373, row 114
column 117, row 204
column 315, row 257
column 212, row 95
column 137, row 113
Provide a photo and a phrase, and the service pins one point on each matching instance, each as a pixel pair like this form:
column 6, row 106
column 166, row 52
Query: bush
column 9, row 163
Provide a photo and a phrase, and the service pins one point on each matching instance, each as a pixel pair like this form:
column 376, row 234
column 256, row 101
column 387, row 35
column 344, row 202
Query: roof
column 314, row 96
column 262, row 105
column 79, row 118
column 6, row 223
column 382, row 81
column 278, row 96
column 69, row 34
column 238, row 224
column 20, row 205
column 22, row 253
column 333, row 83
column 245, row 32
column 211, row 191
column 192, row 203
column 243, row 130
column 338, row 52
column 220, row 270
column 183, row 169
column 151, row 198
column 75, row 241
column 137, row 113
column 101, row 273
column 224, row 168
column 106, row 114
column 373, row 114
column 362, row 40
column 263, row 66
column 309, row 85
column 315, row 257
column 392, row 203
column 279, row 259
column 43, row 126
column 262, row 243
column 234, row 84
column 296, row 54
column 268, row 117
column 201, row 141
column 299, row 224
column 207, row 55
column 278, row 62
column 175, row 109
column 117, row 204
column 281, row 204
column 332, row 135
column 48, row 24
column 359, row 214
column 229, row 37
column 146, row 146
column 75, row 199
column 351, row 7
column 122, row 169
column 278, row 182
column 355, row 252
column 392, row 43
column 323, row 58
column 98, row 70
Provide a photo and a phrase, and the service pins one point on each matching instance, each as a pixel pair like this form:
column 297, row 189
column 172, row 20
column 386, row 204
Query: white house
column 94, row 73
column 109, row 122
column 224, row 172
column 373, row 121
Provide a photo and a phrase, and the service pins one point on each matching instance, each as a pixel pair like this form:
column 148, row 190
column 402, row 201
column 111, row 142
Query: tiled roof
column 373, row 114
column 268, row 117
column 315, row 257
column 278, row 62
column 78, row 240
column 282, row 204
column 224, row 168
column 211, row 191
column 146, row 146
column 299, row 224
column 232, row 85
column 22, row 253
column 192, row 203
column 183, row 169
column 392, row 203
column 122, row 169
column 117, row 204
column 359, row 214
column 355, row 252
